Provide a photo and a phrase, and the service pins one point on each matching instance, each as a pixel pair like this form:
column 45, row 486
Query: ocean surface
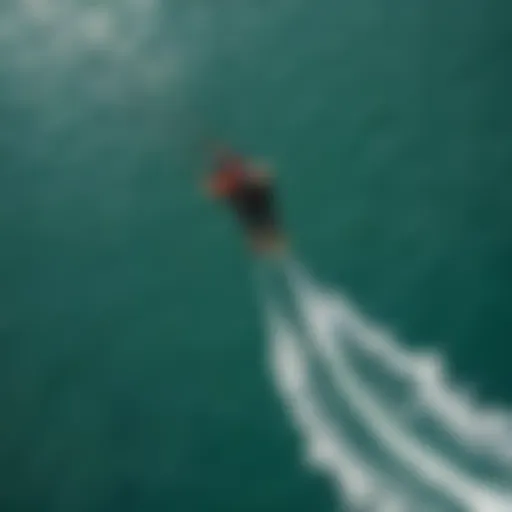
column 136, row 366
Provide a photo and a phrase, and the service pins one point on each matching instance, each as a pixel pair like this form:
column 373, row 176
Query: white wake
column 385, row 424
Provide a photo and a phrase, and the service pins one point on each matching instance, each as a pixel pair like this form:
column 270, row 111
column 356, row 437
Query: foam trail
column 485, row 429
column 317, row 335
column 326, row 450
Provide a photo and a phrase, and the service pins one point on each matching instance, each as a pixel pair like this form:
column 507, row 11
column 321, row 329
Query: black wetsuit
column 254, row 204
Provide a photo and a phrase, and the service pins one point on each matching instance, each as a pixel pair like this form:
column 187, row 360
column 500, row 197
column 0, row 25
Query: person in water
column 248, row 188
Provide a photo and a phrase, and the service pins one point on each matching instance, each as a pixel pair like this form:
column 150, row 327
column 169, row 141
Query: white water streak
column 361, row 481
column 484, row 428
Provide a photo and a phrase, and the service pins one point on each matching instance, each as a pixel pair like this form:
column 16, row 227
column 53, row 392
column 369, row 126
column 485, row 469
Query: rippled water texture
column 134, row 360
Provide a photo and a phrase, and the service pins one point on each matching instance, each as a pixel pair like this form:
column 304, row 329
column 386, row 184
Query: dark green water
column 133, row 373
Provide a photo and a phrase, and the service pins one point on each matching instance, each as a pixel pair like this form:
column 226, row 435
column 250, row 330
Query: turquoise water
column 134, row 360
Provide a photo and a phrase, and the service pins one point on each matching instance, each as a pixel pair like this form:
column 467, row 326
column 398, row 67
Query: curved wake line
column 438, row 471
column 489, row 429
column 326, row 450
column 329, row 326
